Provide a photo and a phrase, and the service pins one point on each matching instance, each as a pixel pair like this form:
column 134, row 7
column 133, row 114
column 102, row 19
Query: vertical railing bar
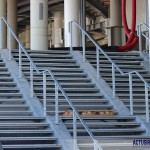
column 83, row 45
column 113, row 81
column 140, row 39
column 98, row 65
column 131, row 93
column 147, row 103
column 20, row 62
column 44, row 93
column 9, row 44
column 1, row 39
column 31, row 80
column 149, row 36
column 147, row 41
column 95, row 147
column 75, row 130
column 149, row 50
column 71, row 36
column 56, row 104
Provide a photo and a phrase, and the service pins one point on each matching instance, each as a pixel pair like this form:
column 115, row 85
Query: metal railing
column 143, row 34
column 76, row 115
column 114, row 68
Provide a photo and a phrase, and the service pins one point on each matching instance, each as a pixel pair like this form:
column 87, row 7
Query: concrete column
column 58, row 17
column 83, row 14
column 27, row 37
column 12, row 18
column 71, row 12
column 3, row 14
column 148, row 12
column 39, row 24
column 115, row 22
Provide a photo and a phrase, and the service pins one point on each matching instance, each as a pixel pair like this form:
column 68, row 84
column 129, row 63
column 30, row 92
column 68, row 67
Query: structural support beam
column 147, row 12
column 83, row 14
column 27, row 37
column 115, row 23
column 12, row 19
column 72, row 12
column 3, row 14
column 39, row 24
column 58, row 25
column 103, row 10
column 149, row 24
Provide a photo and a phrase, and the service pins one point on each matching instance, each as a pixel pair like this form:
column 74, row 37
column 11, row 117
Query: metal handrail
column 18, row 41
column 57, row 85
column 96, row 45
column 99, row 49
column 140, row 34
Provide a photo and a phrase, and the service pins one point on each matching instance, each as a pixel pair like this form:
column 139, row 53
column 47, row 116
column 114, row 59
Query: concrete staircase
column 127, row 61
column 19, row 128
column 82, row 92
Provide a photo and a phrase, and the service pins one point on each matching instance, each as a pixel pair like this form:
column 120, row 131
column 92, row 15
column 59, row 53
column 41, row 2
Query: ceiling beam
column 97, row 5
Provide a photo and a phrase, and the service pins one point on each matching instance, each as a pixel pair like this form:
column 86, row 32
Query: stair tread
column 106, row 123
column 26, row 138
column 128, row 137
column 102, row 117
column 21, row 118
column 112, row 130
column 26, row 131
column 33, row 146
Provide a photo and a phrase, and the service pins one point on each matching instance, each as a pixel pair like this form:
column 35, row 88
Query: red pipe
column 124, row 19
column 132, row 38
column 129, row 46
column 131, row 35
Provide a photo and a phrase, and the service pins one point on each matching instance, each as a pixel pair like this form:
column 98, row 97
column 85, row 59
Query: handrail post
column 44, row 92
column 75, row 130
column 71, row 36
column 149, row 45
column 131, row 93
column 140, row 39
column 31, row 80
column 113, row 81
column 96, row 146
column 147, row 42
column 20, row 62
column 147, row 104
column 9, row 44
column 83, row 45
column 56, row 104
column 1, row 39
column 98, row 65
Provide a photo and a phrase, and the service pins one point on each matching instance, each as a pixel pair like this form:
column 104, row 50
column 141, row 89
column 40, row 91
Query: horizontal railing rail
column 57, row 86
column 114, row 67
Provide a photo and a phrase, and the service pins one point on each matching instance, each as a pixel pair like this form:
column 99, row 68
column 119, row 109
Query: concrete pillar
column 12, row 19
column 39, row 24
column 3, row 14
column 115, row 23
column 58, row 17
column 149, row 24
column 50, row 34
column 27, row 37
column 71, row 12
column 147, row 12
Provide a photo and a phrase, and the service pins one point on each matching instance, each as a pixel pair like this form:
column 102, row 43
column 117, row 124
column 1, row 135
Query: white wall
column 141, row 11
